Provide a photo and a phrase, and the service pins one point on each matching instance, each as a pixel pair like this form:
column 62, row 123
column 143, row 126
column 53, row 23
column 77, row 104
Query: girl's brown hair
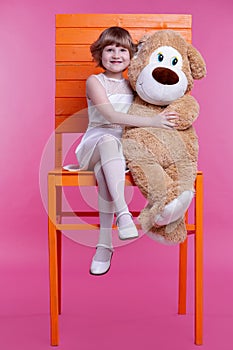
column 113, row 35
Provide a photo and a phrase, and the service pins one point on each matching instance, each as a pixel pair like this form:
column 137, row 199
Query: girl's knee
column 109, row 144
column 110, row 148
column 97, row 168
column 110, row 139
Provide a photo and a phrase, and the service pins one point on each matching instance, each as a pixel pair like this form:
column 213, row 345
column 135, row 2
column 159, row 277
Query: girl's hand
column 165, row 120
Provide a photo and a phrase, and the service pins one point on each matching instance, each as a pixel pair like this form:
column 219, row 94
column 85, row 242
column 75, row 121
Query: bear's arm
column 139, row 107
column 187, row 108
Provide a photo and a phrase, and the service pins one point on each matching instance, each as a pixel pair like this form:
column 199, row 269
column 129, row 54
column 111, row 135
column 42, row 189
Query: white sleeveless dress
column 120, row 96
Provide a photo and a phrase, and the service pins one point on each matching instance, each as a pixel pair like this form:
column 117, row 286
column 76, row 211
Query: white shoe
column 100, row 267
column 129, row 231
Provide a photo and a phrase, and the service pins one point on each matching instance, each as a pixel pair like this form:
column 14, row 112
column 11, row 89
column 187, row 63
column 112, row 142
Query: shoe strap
column 121, row 214
column 104, row 246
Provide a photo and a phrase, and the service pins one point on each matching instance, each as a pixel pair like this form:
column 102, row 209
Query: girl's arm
column 97, row 94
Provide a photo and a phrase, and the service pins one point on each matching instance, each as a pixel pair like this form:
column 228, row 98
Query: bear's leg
column 155, row 185
column 175, row 209
column 153, row 182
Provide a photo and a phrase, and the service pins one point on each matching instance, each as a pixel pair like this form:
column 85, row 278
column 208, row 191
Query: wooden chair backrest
column 74, row 35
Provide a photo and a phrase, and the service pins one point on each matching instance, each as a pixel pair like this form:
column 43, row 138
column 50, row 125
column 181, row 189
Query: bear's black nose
column 165, row 76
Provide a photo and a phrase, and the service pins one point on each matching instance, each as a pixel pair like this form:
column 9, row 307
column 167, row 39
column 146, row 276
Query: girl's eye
column 160, row 57
column 174, row 61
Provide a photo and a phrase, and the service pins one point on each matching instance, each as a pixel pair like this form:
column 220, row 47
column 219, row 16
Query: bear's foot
column 174, row 210
column 171, row 234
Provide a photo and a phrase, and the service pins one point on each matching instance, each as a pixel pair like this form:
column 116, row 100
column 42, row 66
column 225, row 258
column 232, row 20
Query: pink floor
column 134, row 306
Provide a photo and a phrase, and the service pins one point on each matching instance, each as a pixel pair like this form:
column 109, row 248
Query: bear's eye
column 174, row 61
column 160, row 57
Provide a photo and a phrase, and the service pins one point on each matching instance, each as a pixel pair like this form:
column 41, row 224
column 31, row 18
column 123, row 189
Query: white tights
column 109, row 167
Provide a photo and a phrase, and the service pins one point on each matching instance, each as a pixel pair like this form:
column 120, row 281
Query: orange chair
column 74, row 34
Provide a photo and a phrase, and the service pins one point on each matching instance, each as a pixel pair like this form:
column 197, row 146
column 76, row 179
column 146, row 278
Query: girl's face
column 115, row 59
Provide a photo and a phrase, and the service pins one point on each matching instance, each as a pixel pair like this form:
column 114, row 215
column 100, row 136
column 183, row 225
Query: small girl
column 109, row 96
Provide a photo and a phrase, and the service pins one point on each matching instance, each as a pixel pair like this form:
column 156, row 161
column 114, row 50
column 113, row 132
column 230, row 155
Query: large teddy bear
column 163, row 162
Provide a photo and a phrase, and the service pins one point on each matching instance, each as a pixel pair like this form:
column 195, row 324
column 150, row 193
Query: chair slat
column 73, row 52
column 76, row 70
column 70, row 88
column 69, row 106
column 125, row 20
column 85, row 36
column 71, row 124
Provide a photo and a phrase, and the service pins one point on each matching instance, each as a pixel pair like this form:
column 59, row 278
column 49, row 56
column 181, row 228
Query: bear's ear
column 140, row 44
column 196, row 62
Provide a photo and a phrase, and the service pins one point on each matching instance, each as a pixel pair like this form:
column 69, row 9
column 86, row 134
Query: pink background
column 134, row 306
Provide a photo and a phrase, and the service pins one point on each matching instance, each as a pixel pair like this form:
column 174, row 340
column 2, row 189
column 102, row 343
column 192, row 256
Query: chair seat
column 65, row 178
column 80, row 178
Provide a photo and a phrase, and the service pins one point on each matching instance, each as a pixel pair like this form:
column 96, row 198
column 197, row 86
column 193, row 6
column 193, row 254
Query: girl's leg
column 109, row 167
column 113, row 168
column 102, row 258
column 106, row 214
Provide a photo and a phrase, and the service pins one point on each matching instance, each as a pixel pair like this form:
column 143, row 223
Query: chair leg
column 182, row 278
column 53, row 261
column 53, row 273
column 59, row 266
column 199, row 262
column 59, row 242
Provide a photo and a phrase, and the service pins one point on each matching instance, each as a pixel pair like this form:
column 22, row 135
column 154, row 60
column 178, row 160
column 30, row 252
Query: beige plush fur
column 163, row 162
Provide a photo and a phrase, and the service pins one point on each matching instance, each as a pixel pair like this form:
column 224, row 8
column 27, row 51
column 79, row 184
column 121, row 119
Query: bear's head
column 164, row 67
